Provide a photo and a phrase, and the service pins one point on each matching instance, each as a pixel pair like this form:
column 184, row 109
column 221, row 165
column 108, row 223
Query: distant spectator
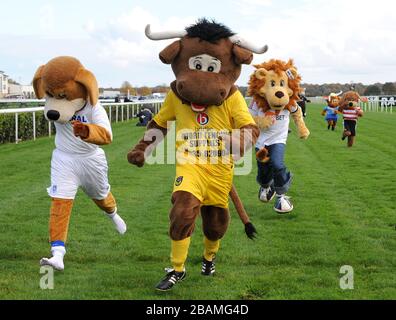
column 117, row 99
column 302, row 103
column 145, row 116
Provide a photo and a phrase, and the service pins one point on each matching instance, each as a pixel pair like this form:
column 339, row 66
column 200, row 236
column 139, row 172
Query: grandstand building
column 3, row 84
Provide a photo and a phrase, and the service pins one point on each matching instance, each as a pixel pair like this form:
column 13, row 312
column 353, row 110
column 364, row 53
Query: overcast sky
column 330, row 40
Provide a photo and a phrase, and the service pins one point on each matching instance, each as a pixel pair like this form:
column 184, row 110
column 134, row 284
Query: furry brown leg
column 108, row 204
column 351, row 141
column 214, row 222
column 183, row 214
column 59, row 219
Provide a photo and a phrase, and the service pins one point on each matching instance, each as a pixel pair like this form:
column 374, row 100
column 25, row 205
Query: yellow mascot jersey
column 203, row 166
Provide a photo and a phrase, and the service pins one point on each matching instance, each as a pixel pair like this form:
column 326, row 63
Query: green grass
column 345, row 204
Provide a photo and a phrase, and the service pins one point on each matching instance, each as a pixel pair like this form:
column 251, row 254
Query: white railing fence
column 379, row 104
column 117, row 112
column 370, row 103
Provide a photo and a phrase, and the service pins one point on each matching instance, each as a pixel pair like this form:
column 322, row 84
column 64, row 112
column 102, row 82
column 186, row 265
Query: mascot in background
column 71, row 94
column 206, row 106
column 351, row 112
column 330, row 111
column 275, row 88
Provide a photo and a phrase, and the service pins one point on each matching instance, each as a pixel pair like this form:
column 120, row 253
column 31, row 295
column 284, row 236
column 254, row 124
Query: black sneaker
column 171, row 278
column 208, row 267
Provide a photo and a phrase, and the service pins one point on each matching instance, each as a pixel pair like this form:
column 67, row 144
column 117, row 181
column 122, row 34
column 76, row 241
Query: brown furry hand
column 303, row 133
column 80, row 129
column 262, row 155
column 136, row 157
column 264, row 122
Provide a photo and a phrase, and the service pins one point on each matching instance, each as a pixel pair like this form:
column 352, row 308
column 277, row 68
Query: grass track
column 345, row 205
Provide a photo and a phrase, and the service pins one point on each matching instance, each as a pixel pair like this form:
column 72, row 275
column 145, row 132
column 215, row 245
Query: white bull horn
column 248, row 45
column 339, row 93
column 164, row 35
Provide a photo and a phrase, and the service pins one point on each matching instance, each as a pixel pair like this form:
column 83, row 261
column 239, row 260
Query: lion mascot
column 71, row 102
column 206, row 107
column 330, row 111
column 275, row 88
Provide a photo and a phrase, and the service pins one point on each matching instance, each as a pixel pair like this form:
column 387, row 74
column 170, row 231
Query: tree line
column 312, row 90
column 322, row 90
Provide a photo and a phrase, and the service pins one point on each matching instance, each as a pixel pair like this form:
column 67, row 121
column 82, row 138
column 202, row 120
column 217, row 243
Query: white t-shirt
column 278, row 132
column 65, row 139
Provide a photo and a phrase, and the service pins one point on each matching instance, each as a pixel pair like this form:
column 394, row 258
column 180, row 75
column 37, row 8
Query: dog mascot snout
column 52, row 115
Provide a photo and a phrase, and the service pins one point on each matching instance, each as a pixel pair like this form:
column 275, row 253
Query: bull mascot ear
column 170, row 52
column 241, row 55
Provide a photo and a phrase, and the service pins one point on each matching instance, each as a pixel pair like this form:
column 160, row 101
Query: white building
column 3, row 84
column 25, row 91
column 110, row 94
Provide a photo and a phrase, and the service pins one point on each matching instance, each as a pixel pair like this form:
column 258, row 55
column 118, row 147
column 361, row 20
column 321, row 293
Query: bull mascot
column 206, row 107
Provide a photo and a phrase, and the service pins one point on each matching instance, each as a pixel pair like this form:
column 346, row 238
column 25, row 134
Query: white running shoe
column 57, row 258
column 54, row 262
column 283, row 204
column 119, row 223
column 266, row 194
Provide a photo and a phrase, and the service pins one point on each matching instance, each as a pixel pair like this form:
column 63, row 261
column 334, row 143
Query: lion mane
column 278, row 66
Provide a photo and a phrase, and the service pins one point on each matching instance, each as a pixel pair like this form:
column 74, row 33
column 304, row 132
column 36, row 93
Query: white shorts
column 71, row 171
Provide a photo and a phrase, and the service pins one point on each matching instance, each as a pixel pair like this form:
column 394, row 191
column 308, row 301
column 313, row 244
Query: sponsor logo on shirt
column 82, row 119
column 202, row 119
column 179, row 181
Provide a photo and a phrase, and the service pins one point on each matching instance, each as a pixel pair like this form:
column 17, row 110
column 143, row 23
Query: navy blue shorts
column 350, row 125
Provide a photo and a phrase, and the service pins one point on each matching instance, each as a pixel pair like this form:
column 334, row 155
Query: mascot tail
column 249, row 228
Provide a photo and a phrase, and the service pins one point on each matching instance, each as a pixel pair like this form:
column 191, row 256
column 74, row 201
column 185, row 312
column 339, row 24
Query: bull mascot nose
column 53, row 115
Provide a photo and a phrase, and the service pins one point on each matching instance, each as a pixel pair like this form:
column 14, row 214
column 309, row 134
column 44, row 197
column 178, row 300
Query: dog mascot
column 71, row 94
column 330, row 111
column 205, row 106
column 350, row 110
column 274, row 87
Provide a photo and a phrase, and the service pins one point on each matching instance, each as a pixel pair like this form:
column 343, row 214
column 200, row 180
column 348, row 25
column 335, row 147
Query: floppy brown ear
column 38, row 83
column 88, row 80
column 241, row 55
column 170, row 52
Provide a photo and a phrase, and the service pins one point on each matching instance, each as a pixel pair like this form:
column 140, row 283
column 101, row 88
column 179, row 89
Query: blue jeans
column 274, row 173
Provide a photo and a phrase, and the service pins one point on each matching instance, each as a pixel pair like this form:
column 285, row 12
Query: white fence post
column 34, row 125
column 16, row 127
column 135, row 107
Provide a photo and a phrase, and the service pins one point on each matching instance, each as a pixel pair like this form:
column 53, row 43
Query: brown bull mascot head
column 206, row 61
